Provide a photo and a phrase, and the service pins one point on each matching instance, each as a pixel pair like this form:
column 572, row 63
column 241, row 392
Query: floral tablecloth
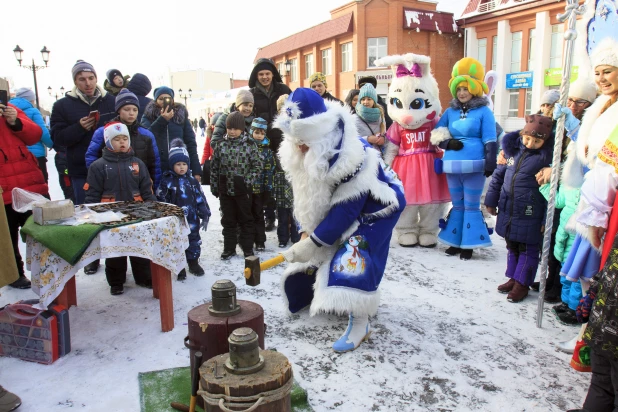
column 162, row 240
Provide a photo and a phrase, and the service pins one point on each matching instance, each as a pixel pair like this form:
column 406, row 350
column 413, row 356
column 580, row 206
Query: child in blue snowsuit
column 514, row 191
column 179, row 187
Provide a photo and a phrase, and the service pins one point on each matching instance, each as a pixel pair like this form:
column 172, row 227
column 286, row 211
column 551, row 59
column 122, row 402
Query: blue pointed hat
column 602, row 41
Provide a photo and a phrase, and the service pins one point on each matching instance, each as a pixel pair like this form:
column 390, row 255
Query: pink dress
column 414, row 164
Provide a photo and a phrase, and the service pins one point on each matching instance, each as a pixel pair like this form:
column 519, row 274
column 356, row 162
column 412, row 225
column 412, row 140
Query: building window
column 376, row 48
column 513, row 103
column 482, row 51
column 494, row 53
column 555, row 51
column 308, row 65
column 294, row 70
column 346, row 57
column 280, row 68
column 516, row 52
column 326, row 62
column 528, row 108
column 531, row 48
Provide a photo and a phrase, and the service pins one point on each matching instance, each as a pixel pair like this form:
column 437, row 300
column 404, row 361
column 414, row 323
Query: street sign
column 519, row 80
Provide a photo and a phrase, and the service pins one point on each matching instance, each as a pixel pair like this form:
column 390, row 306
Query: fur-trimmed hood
column 264, row 64
column 153, row 111
column 473, row 103
column 592, row 133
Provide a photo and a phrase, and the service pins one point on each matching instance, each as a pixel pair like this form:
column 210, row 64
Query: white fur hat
column 583, row 89
column 605, row 54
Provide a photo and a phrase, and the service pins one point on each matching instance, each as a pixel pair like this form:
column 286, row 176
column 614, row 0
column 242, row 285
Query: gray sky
column 140, row 36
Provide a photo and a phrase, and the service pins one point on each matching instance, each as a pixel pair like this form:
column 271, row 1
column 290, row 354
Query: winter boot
column 561, row 308
column 553, row 295
column 568, row 318
column 182, row 275
column 567, row 346
column 357, row 332
column 195, row 268
column 91, row 268
column 8, row 401
column 248, row 252
column 518, row 293
column 21, row 283
column 507, row 287
column 466, row 254
column 227, row 254
column 269, row 225
column 260, row 247
column 452, row 251
column 116, row 290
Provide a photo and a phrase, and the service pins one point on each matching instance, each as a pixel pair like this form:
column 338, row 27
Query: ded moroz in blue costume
column 347, row 202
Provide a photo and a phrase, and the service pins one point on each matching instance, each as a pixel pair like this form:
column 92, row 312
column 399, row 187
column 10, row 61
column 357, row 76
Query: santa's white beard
column 307, row 172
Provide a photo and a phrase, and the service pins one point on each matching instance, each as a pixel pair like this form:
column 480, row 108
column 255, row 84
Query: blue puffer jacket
column 140, row 85
column 67, row 131
column 38, row 150
column 179, row 126
column 515, row 191
column 144, row 146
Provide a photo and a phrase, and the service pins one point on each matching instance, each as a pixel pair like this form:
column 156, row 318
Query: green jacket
column 235, row 167
column 220, row 127
column 567, row 200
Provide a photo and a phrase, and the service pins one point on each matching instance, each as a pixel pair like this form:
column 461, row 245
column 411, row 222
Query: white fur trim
column 595, row 129
column 408, row 220
column 440, row 134
column 572, row 171
column 605, row 53
column 341, row 300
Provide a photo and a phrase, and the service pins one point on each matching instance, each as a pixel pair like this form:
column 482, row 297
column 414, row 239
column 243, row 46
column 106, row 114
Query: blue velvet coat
column 515, row 191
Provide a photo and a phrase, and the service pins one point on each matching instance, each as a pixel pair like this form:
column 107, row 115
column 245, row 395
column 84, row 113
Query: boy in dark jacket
column 262, row 189
column 235, row 167
column 120, row 176
column 179, row 187
column 143, row 142
column 521, row 207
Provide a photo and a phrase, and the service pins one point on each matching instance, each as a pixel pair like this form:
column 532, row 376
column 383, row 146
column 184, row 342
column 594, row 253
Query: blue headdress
column 602, row 39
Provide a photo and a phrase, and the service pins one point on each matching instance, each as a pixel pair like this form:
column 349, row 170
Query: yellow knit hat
column 471, row 73
column 319, row 77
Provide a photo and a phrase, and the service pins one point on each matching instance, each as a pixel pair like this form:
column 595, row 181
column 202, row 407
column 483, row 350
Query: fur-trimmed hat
column 538, row 125
column 468, row 72
column 319, row 77
column 235, row 120
column 602, row 41
column 583, row 89
column 243, row 96
column 304, row 116
column 113, row 129
column 178, row 153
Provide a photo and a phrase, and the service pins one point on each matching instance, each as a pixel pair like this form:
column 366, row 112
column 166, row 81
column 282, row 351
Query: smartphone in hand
column 4, row 97
column 168, row 104
column 95, row 115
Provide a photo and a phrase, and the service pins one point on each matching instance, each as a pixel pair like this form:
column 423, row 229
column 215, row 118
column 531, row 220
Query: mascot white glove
column 302, row 251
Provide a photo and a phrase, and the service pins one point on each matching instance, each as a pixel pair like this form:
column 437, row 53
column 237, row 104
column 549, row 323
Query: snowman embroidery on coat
column 349, row 259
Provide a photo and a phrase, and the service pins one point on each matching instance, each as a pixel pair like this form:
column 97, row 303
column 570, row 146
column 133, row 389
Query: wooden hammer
column 253, row 268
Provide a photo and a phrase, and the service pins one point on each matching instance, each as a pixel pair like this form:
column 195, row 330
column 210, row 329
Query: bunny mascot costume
column 414, row 106
column 347, row 202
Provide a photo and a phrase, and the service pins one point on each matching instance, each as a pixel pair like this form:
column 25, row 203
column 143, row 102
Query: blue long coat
column 38, row 149
column 515, row 191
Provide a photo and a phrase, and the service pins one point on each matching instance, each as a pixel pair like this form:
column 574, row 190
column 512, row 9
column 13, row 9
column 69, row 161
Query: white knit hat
column 583, row 89
column 112, row 130
column 605, row 54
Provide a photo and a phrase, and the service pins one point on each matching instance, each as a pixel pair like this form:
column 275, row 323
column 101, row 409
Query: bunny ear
column 491, row 79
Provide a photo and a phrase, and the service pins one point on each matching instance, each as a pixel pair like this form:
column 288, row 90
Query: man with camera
column 74, row 119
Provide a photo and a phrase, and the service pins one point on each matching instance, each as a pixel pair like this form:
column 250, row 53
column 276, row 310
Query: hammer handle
column 267, row 264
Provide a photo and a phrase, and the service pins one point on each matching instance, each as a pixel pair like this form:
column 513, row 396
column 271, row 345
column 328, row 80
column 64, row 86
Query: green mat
column 158, row 389
column 68, row 242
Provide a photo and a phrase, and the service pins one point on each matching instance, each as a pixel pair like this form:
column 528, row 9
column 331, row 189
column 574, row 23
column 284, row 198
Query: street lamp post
column 45, row 53
column 49, row 90
column 185, row 96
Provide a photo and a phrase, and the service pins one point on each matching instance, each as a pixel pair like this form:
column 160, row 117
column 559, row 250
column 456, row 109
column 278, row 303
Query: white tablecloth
column 162, row 240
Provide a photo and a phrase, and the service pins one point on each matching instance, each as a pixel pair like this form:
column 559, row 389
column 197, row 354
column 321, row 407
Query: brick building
column 360, row 32
column 523, row 41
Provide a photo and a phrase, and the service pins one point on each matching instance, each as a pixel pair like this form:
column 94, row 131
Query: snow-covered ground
column 444, row 339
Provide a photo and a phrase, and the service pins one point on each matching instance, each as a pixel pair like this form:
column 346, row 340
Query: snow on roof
column 436, row 21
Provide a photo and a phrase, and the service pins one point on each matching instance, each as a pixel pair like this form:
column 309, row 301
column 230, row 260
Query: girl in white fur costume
column 347, row 203
column 414, row 106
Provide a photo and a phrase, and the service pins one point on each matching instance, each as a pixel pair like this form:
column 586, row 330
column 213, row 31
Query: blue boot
column 475, row 232
column 357, row 332
column 451, row 234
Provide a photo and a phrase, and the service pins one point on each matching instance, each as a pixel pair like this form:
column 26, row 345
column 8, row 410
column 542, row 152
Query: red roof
column 429, row 20
column 315, row 34
column 472, row 6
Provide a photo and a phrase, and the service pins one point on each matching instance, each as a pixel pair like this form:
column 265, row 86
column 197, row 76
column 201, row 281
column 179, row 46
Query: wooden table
column 162, row 240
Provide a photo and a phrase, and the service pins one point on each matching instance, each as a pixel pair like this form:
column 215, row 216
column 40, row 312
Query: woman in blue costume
column 467, row 133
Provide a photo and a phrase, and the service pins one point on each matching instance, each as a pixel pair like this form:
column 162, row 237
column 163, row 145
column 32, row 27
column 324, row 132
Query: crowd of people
column 323, row 168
